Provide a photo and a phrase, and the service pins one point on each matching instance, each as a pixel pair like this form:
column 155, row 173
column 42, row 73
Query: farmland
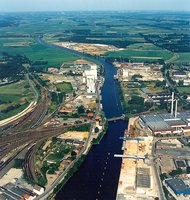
column 14, row 98
column 141, row 55
column 182, row 58
column 35, row 52
column 139, row 37
column 183, row 90
column 144, row 36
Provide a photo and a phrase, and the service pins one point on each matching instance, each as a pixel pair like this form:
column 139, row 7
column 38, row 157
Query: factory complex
column 167, row 123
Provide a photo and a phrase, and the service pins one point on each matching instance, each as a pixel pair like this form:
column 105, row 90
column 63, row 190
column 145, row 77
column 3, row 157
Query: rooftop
column 178, row 186
column 175, row 152
column 165, row 121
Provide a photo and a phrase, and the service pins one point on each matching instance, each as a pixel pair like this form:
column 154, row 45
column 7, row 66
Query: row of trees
column 12, row 66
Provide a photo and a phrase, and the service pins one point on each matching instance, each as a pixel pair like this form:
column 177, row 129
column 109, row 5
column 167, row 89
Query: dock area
column 136, row 180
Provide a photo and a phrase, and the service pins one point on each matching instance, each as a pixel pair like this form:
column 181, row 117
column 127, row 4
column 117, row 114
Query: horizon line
column 30, row 11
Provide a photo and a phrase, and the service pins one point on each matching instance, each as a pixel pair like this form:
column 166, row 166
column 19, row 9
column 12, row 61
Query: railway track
column 29, row 164
column 26, row 166
column 30, row 136
column 32, row 119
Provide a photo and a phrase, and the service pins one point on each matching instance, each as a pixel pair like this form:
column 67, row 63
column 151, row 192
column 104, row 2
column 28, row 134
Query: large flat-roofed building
column 166, row 123
column 178, row 186
column 178, row 152
column 90, row 78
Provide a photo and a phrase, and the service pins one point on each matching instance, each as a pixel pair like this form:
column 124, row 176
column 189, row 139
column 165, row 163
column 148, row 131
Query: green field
column 134, row 31
column 13, row 94
column 141, row 55
column 183, row 90
column 16, row 42
column 55, row 156
column 144, row 47
column 182, row 58
column 13, row 112
column 36, row 52
column 64, row 87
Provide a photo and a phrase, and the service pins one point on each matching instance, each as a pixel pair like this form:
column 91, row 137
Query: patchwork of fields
column 143, row 37
column 35, row 52
column 142, row 55
column 14, row 98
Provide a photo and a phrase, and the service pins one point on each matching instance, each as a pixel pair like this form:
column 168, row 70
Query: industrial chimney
column 172, row 106
column 176, row 101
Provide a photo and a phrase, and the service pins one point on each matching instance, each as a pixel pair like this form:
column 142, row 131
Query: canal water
column 98, row 177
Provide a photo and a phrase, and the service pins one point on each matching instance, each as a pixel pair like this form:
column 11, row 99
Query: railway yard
column 35, row 137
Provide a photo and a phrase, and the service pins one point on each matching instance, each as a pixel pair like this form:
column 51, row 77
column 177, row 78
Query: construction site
column 92, row 49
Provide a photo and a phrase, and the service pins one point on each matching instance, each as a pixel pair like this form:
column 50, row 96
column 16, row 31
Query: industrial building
column 90, row 78
column 181, row 164
column 11, row 191
column 157, row 98
column 137, row 176
column 168, row 123
column 178, row 152
column 178, row 186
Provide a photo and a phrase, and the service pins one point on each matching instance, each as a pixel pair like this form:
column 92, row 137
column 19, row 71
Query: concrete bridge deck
column 122, row 117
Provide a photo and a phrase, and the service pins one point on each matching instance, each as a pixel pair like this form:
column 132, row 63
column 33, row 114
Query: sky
column 73, row 5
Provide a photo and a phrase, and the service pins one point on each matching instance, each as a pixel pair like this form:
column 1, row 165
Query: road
column 32, row 86
column 156, row 172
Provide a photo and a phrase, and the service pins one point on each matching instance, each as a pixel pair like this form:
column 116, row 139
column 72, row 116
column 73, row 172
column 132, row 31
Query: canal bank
column 98, row 176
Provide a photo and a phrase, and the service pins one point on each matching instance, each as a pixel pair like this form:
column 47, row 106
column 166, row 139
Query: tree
column 136, row 100
column 163, row 104
column 81, row 109
column 176, row 172
column 73, row 153
column 181, row 82
column 188, row 170
column 54, row 140
column 51, row 171
column 96, row 130
column 160, row 83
